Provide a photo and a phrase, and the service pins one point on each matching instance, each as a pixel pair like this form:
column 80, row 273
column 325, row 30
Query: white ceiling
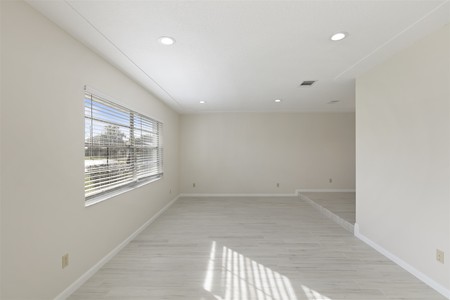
column 241, row 55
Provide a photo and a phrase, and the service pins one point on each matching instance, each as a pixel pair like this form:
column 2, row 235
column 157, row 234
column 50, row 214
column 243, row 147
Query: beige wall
column 248, row 153
column 403, row 155
column 43, row 214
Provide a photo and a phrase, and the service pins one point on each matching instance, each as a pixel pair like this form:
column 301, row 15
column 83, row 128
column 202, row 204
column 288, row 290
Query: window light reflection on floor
column 241, row 278
column 313, row 295
column 235, row 276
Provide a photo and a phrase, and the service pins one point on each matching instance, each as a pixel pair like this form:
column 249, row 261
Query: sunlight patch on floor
column 313, row 295
column 234, row 276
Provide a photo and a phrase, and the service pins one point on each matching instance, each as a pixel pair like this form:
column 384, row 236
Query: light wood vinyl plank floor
column 264, row 248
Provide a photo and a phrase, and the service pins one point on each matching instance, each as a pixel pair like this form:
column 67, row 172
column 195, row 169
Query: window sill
column 118, row 192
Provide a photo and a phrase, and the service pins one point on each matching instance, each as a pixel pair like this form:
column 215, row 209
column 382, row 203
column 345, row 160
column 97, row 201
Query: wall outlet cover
column 440, row 256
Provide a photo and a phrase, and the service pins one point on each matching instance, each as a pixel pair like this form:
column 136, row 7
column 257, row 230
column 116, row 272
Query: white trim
column 89, row 273
column 237, row 195
column 325, row 191
column 296, row 193
column 120, row 191
column 329, row 214
column 421, row 276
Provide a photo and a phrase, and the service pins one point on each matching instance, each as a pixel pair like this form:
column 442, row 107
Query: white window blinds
column 122, row 147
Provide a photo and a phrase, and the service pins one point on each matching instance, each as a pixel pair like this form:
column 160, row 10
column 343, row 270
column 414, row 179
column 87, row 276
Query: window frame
column 140, row 168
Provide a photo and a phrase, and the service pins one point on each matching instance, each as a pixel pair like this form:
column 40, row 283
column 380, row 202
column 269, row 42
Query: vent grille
column 307, row 83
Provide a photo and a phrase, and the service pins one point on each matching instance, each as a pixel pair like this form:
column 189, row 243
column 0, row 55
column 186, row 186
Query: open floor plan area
column 224, row 149
column 242, row 248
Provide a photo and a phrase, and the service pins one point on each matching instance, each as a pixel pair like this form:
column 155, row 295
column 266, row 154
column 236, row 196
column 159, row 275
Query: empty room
column 227, row 150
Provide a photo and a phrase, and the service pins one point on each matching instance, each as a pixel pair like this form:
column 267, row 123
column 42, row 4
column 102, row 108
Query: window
column 122, row 148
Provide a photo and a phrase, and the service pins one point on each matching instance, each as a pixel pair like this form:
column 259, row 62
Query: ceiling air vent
column 333, row 101
column 307, row 83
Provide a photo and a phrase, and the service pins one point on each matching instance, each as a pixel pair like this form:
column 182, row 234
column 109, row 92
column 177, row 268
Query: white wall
column 403, row 155
column 248, row 153
column 43, row 214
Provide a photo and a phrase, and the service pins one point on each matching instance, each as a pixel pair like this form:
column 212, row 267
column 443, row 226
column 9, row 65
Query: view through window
column 122, row 147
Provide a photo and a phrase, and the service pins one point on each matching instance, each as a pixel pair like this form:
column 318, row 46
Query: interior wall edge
column 400, row 262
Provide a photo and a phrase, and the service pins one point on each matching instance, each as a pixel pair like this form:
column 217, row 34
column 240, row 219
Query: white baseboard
column 296, row 193
column 329, row 214
column 421, row 276
column 325, row 191
column 83, row 278
column 237, row 195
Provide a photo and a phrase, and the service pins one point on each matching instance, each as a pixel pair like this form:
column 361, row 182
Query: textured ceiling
column 241, row 55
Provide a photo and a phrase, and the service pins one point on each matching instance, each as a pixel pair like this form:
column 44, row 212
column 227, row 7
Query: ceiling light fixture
column 202, row 102
column 166, row 40
column 277, row 100
column 339, row 36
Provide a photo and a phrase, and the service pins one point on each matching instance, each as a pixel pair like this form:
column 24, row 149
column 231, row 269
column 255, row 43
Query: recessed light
column 339, row 36
column 277, row 100
column 166, row 40
column 202, row 102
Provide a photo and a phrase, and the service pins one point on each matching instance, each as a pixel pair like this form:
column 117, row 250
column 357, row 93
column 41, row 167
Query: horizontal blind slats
column 122, row 147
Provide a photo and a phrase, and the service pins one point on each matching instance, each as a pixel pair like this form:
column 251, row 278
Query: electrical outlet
column 440, row 256
column 278, row 184
column 65, row 260
column 193, row 185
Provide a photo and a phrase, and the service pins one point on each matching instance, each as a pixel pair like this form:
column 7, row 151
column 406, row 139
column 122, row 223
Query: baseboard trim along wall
column 325, row 191
column 296, row 193
column 421, row 276
column 83, row 278
column 237, row 195
column 329, row 214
